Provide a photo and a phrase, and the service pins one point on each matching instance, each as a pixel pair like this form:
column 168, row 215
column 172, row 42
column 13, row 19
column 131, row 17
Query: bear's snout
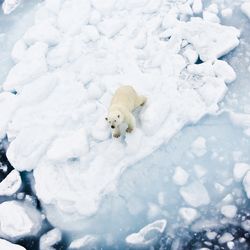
column 112, row 126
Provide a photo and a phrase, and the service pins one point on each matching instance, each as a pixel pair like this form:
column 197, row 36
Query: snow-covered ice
column 62, row 100
column 68, row 65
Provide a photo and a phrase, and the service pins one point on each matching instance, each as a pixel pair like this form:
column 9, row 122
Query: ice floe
column 18, row 219
column 148, row 235
column 48, row 240
column 6, row 245
column 10, row 5
column 11, row 183
column 64, row 80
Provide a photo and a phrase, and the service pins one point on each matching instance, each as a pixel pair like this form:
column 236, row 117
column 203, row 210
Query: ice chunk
column 246, row 225
column 225, row 238
column 198, row 147
column 18, row 51
column 246, row 184
column 18, row 219
column 245, row 8
column 240, row 169
column 11, row 183
column 223, row 70
column 240, row 119
column 180, row 176
column 152, row 6
column 210, row 17
column 73, row 15
column 227, row 12
column 213, row 8
column 213, row 41
column 197, row 6
column 10, row 5
column 188, row 214
column 229, row 211
column 69, row 146
column 104, row 7
column 200, row 171
column 42, row 32
column 6, row 245
column 7, row 107
column 49, row 239
column 29, row 68
column 86, row 242
column 111, row 26
column 148, row 235
column 195, row 194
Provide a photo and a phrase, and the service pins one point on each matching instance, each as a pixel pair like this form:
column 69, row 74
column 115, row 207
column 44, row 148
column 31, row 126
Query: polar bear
column 124, row 101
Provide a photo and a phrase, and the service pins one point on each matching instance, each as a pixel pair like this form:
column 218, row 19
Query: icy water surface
column 153, row 195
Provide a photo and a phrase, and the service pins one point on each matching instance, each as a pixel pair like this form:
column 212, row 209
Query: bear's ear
column 118, row 116
column 106, row 118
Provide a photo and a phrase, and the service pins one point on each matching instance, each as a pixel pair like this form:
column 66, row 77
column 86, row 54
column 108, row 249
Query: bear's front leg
column 116, row 133
column 131, row 123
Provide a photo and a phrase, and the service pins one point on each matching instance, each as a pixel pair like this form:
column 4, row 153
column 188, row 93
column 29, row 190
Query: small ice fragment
column 188, row 214
column 11, row 183
column 230, row 244
column 240, row 169
column 197, row 6
column 6, row 245
column 246, row 225
column 245, row 8
column 210, row 17
column 225, row 238
column 10, row 5
column 229, row 211
column 213, row 8
column 148, row 235
column 195, row 194
column 86, row 242
column 180, row 176
column 211, row 235
column 198, row 147
column 246, row 184
column 200, row 171
column 50, row 238
column 227, row 13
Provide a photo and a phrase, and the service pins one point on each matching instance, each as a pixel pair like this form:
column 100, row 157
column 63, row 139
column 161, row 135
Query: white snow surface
column 11, row 183
column 18, row 219
column 65, row 79
column 6, row 245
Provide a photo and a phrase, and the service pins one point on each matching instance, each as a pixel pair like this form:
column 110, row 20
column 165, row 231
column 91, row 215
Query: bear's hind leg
column 141, row 100
column 131, row 123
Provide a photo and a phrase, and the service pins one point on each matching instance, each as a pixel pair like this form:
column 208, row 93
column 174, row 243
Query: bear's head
column 115, row 118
